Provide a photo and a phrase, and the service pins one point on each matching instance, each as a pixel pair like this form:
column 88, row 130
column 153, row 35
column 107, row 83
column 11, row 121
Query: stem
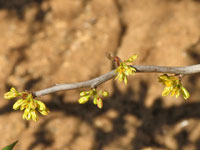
column 103, row 78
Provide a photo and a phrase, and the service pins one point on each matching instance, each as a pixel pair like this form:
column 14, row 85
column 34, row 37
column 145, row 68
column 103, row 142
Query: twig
column 103, row 78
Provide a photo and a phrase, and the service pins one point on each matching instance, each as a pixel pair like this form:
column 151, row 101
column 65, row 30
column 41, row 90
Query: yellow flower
column 27, row 104
column 132, row 58
column 173, row 86
column 42, row 107
column 30, row 105
column 123, row 71
column 99, row 102
column 95, row 95
column 83, row 100
column 30, row 114
column 105, row 93
column 20, row 104
column 11, row 94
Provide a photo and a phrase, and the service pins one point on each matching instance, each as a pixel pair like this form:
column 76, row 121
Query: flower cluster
column 124, row 70
column 97, row 100
column 27, row 103
column 173, row 86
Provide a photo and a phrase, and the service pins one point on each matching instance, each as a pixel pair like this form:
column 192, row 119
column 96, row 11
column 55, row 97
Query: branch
column 103, row 78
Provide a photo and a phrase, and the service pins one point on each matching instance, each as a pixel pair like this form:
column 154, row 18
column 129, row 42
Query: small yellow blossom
column 30, row 106
column 27, row 104
column 42, row 108
column 30, row 115
column 11, row 94
column 173, row 86
column 83, row 99
column 132, row 58
column 105, row 93
column 97, row 100
column 124, row 70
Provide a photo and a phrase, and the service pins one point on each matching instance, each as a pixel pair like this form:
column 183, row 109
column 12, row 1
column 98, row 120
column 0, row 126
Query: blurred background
column 47, row 42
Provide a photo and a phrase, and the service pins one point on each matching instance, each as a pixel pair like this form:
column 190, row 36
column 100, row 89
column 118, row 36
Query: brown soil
column 46, row 42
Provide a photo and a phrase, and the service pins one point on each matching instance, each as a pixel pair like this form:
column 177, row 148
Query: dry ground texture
column 46, row 42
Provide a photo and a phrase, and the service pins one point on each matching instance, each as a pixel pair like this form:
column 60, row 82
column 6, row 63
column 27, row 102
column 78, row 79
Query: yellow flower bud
column 173, row 85
column 125, row 80
column 166, row 91
column 18, row 104
column 41, row 106
column 11, row 94
column 132, row 58
column 33, row 115
column 26, row 114
column 99, row 103
column 105, row 93
column 95, row 101
column 32, row 104
column 123, row 71
column 44, row 112
column 185, row 93
column 83, row 100
column 24, row 105
column 83, row 93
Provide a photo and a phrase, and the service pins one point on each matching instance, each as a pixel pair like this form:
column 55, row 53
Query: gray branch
column 103, row 78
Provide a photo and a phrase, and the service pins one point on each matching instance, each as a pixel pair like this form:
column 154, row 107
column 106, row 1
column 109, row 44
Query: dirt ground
column 47, row 42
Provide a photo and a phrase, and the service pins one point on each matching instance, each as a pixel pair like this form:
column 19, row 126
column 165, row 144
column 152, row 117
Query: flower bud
column 99, row 103
column 185, row 93
column 83, row 93
column 83, row 100
column 44, row 112
column 18, row 104
column 132, row 58
column 41, row 106
column 105, row 93
column 95, row 101
column 11, row 94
